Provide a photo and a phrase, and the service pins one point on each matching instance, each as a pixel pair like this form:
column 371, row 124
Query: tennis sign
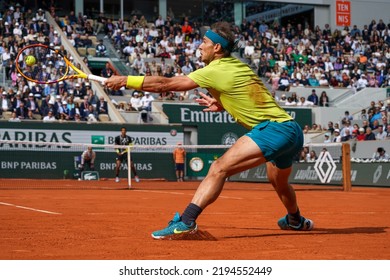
column 343, row 13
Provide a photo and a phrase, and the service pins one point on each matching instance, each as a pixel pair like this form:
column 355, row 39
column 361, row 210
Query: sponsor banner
column 55, row 162
column 90, row 176
column 170, row 137
column 64, row 165
column 194, row 115
column 362, row 174
column 216, row 128
column 58, row 165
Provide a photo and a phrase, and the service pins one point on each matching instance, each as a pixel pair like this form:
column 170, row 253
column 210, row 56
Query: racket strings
column 50, row 65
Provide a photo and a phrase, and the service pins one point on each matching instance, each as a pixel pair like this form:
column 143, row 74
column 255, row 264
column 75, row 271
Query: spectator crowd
column 70, row 100
column 284, row 56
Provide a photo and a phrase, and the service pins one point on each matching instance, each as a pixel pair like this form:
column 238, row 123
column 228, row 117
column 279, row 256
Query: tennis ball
column 30, row 60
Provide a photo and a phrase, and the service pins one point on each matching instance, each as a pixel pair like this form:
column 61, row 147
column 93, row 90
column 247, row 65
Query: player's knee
column 217, row 169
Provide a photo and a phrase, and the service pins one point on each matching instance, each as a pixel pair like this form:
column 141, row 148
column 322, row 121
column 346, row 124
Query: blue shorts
column 279, row 142
column 180, row 166
column 122, row 157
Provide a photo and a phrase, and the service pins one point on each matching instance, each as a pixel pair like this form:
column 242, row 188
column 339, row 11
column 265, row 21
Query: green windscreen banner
column 216, row 128
column 362, row 174
column 58, row 161
column 54, row 164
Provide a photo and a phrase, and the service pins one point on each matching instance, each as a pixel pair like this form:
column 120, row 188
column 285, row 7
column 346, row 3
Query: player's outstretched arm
column 151, row 83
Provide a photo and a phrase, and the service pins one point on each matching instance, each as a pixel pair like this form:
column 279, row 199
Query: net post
column 346, row 166
column 129, row 167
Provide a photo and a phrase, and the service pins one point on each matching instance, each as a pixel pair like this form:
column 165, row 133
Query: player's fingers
column 202, row 102
column 204, row 95
column 115, row 82
column 212, row 108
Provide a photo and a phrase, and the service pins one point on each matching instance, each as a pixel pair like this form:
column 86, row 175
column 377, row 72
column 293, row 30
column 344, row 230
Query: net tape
column 18, row 145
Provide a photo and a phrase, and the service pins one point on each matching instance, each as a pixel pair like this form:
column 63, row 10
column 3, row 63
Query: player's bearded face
column 207, row 50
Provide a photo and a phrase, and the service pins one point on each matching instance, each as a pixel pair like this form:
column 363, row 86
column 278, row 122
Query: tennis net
column 56, row 165
column 42, row 165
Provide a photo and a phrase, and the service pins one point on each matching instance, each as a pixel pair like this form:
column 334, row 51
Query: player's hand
column 92, row 166
column 116, row 82
column 210, row 102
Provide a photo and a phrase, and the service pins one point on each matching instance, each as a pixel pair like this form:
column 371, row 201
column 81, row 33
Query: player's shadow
column 203, row 235
column 315, row 231
column 198, row 235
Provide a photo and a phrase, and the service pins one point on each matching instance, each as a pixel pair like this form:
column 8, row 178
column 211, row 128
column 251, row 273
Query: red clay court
column 99, row 224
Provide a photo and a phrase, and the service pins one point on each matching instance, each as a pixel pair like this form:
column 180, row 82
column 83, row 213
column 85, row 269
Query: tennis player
column 124, row 140
column 274, row 137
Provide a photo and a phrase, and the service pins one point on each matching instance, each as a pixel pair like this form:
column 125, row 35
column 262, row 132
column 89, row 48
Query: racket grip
column 97, row 78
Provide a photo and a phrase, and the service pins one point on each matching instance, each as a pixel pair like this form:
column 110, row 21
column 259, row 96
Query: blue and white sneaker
column 175, row 229
column 305, row 224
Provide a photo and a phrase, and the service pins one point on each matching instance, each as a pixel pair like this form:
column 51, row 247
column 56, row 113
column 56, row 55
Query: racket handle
column 97, row 78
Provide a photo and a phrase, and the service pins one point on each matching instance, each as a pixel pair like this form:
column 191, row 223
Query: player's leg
column 81, row 169
column 134, row 171
column 279, row 180
column 279, row 170
column 265, row 142
column 117, row 168
column 244, row 154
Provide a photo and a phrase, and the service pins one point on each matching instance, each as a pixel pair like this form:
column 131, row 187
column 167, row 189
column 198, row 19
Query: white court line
column 230, row 197
column 158, row 192
column 179, row 193
column 28, row 208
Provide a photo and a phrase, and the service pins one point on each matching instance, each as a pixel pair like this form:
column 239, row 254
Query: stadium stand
column 351, row 65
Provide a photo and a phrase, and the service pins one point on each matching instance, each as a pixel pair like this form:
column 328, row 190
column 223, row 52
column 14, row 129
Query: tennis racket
column 49, row 66
column 128, row 148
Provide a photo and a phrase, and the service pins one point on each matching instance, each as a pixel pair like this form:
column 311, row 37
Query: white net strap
column 325, row 145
